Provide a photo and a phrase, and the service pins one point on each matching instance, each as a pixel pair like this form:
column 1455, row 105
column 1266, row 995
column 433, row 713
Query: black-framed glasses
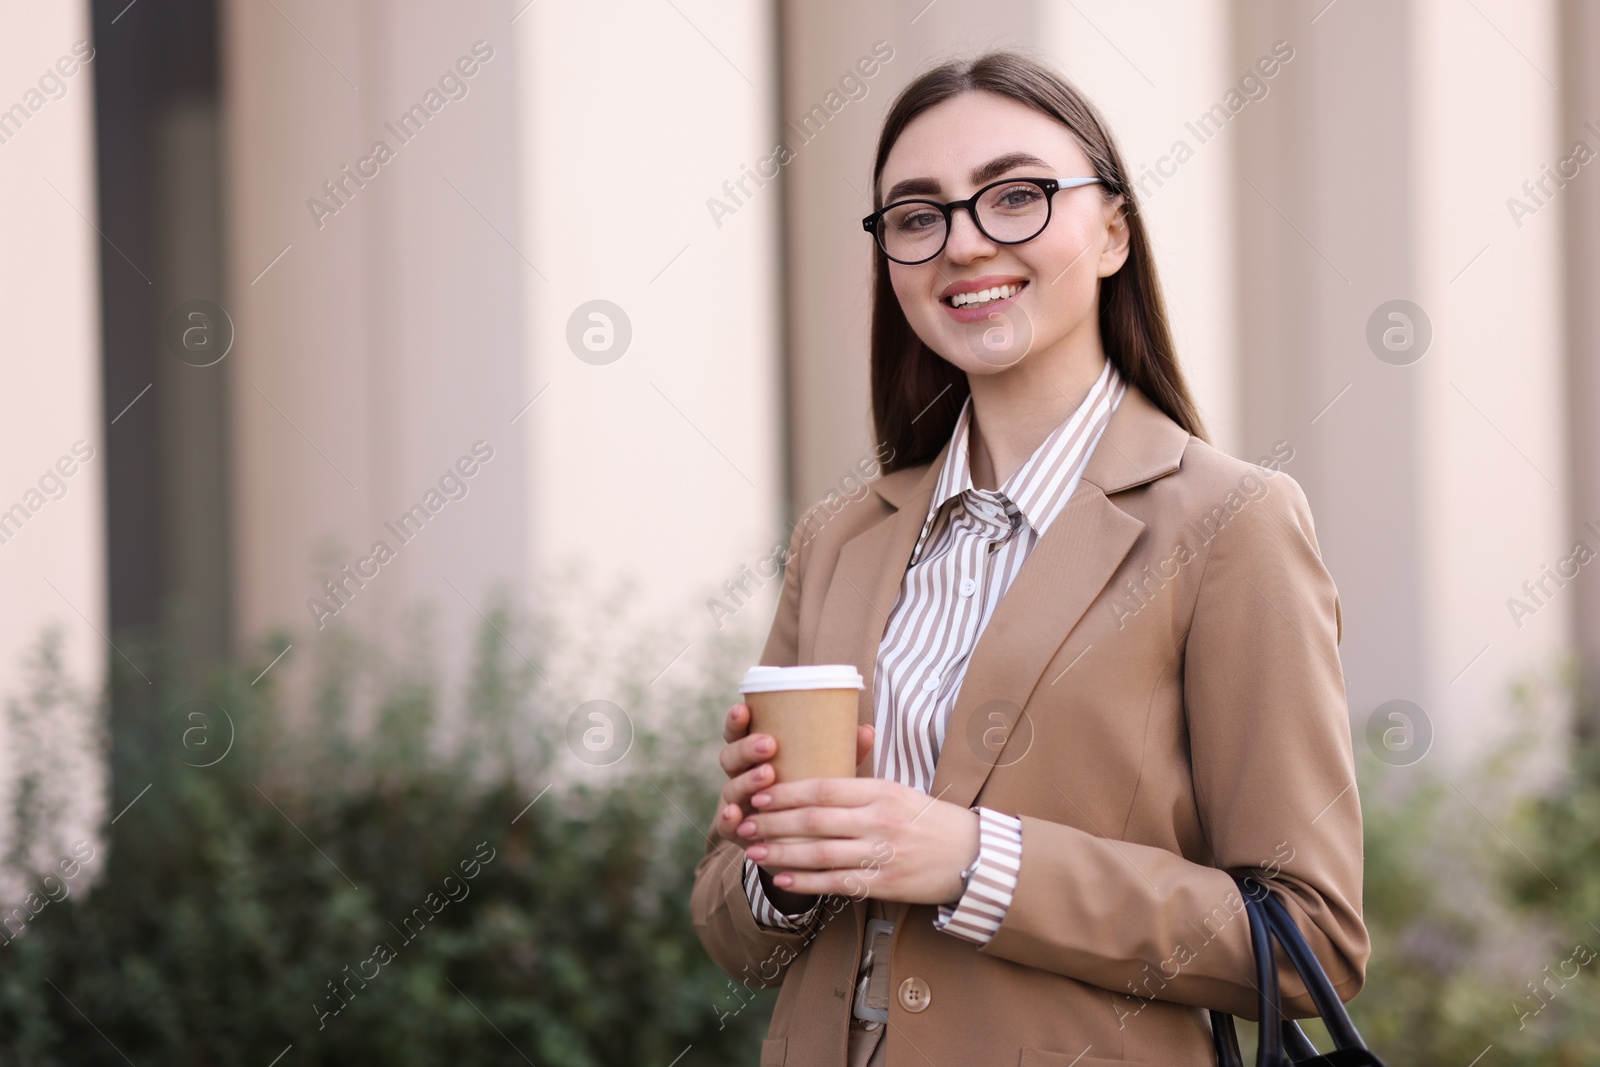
column 1008, row 212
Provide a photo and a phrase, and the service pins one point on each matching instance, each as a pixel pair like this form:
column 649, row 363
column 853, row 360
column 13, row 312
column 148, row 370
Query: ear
column 1114, row 253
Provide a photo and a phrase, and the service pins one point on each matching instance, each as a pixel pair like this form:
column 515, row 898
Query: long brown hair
column 916, row 394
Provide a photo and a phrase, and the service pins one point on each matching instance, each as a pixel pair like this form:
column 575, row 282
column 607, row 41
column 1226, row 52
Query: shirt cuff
column 977, row 916
column 765, row 911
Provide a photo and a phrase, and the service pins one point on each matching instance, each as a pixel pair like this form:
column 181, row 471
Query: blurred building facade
column 513, row 289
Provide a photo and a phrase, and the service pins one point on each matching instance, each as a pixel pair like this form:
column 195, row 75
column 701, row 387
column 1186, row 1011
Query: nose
column 966, row 242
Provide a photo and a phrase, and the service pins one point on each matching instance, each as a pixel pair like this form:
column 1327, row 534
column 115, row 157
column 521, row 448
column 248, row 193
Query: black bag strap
column 1225, row 1039
column 1282, row 1043
column 1329, row 1006
column 1269, row 1012
column 1296, row 1044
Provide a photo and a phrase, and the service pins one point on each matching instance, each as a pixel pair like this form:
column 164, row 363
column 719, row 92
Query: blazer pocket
column 773, row 1051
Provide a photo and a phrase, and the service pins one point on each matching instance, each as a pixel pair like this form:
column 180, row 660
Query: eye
column 915, row 218
column 1022, row 196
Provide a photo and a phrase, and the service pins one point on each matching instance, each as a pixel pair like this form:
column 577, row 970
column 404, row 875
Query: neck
column 1014, row 410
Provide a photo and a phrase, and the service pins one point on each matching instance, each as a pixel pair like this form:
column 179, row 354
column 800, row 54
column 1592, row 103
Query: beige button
column 915, row 994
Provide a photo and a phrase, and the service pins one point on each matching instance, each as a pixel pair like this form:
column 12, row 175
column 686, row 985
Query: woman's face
column 950, row 151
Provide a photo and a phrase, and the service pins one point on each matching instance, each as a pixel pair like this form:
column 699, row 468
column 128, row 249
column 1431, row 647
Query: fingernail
column 747, row 828
column 761, row 798
column 756, row 852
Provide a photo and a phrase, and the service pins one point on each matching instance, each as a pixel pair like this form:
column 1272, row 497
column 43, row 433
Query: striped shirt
column 973, row 543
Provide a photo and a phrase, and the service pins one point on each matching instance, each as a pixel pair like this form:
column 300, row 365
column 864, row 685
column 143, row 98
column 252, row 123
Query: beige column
column 650, row 212
column 1579, row 78
column 568, row 264
column 1325, row 200
column 1176, row 101
column 374, row 198
column 52, row 426
column 1424, row 438
column 1494, row 485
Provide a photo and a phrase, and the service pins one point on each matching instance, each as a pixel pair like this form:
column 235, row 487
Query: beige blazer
column 1166, row 666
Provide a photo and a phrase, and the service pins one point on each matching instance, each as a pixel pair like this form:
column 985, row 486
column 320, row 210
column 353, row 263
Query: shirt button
column 915, row 994
column 967, row 586
column 930, row 683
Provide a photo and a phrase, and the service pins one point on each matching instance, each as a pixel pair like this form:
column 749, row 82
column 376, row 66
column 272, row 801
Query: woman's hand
column 746, row 760
column 897, row 843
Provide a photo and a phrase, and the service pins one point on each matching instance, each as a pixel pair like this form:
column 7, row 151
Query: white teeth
column 999, row 292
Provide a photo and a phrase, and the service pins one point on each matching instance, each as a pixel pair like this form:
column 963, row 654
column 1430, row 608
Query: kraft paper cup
column 811, row 712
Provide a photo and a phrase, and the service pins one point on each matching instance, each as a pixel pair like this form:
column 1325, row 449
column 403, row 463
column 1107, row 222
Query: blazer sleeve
column 720, row 904
column 1274, row 784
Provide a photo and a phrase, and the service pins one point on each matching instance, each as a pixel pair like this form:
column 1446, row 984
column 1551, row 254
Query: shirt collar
column 1039, row 487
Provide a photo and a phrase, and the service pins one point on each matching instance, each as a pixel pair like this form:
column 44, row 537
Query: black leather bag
column 1282, row 1042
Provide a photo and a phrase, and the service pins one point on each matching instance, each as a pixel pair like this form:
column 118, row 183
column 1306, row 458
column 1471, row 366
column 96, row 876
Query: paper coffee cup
column 811, row 712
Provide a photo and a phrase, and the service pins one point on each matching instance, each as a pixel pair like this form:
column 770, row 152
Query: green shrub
column 231, row 898
column 1478, row 880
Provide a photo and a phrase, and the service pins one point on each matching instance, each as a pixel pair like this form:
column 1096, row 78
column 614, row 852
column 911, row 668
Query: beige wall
column 658, row 471
column 1152, row 88
column 1494, row 474
column 432, row 310
column 1580, row 80
column 1374, row 178
column 1327, row 220
column 52, row 568
column 386, row 340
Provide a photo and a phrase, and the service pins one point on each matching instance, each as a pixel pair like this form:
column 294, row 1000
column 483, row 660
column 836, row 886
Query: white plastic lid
column 816, row 676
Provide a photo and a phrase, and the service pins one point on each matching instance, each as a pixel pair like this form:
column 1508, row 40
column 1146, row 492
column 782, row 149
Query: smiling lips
column 976, row 300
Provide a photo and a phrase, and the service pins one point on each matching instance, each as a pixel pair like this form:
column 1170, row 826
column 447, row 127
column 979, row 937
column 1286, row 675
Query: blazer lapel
column 1063, row 575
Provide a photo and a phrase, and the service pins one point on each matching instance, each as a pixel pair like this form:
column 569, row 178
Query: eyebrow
column 981, row 175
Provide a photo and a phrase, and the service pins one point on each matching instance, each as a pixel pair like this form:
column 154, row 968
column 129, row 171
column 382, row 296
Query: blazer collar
column 1140, row 444
column 1035, row 487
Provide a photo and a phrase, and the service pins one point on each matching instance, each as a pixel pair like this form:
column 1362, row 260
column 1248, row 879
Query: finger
column 826, row 854
column 847, row 823
column 855, row 884
column 741, row 787
column 737, row 724
column 739, row 756
column 820, row 792
column 808, row 876
column 729, row 816
column 864, row 736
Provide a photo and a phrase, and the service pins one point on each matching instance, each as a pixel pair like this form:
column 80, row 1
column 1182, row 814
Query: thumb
column 864, row 737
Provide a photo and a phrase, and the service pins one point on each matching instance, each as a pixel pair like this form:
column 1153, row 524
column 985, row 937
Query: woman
column 1102, row 655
